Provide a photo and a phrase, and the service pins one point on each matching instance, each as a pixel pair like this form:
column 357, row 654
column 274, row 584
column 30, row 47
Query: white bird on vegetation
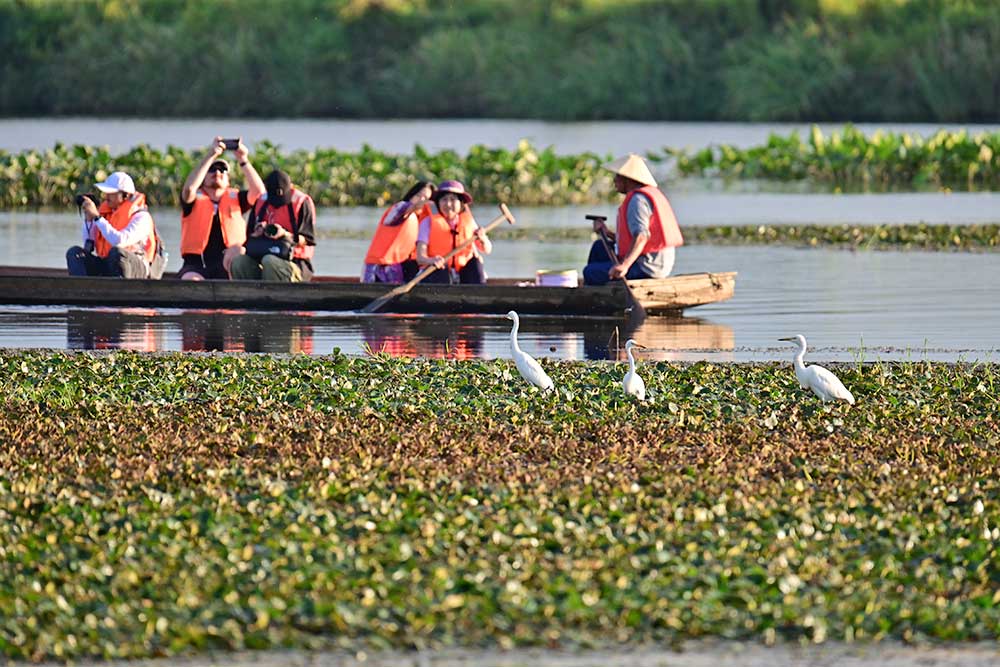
column 529, row 369
column 632, row 383
column 823, row 383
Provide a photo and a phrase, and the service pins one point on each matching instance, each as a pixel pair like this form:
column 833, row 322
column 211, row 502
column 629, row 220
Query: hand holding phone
column 231, row 144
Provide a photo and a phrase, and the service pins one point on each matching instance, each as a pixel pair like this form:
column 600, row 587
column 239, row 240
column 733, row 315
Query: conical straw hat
column 634, row 167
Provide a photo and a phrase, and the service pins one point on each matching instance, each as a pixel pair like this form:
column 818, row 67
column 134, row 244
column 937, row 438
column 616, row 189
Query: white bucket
column 568, row 278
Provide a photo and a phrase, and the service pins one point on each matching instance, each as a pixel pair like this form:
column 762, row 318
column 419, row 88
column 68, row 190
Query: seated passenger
column 646, row 231
column 119, row 237
column 392, row 254
column 444, row 231
column 280, row 235
column 212, row 227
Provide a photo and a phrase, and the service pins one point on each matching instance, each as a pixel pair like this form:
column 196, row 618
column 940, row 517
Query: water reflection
column 668, row 339
column 442, row 337
column 438, row 337
column 151, row 330
column 126, row 329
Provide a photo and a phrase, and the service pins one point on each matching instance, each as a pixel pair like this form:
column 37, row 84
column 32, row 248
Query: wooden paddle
column 374, row 306
column 635, row 308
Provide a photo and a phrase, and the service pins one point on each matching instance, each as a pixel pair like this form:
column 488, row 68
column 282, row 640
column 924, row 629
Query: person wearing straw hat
column 646, row 232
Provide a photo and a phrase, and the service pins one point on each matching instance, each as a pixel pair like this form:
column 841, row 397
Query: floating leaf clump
column 918, row 236
column 851, row 159
column 166, row 504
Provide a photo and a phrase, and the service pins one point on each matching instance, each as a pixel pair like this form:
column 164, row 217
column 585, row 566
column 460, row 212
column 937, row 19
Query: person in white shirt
column 119, row 236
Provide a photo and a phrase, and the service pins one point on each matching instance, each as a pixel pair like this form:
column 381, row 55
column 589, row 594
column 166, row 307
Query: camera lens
column 271, row 229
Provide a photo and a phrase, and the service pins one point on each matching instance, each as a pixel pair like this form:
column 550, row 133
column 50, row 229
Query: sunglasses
column 218, row 167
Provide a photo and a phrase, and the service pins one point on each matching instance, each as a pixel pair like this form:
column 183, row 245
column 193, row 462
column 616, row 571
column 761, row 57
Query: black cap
column 279, row 186
column 219, row 165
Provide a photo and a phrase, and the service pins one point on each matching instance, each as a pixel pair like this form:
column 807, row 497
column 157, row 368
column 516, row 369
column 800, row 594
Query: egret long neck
column 631, row 360
column 800, row 358
column 513, row 337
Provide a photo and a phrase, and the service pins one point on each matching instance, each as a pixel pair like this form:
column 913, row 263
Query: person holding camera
column 280, row 235
column 119, row 237
column 212, row 227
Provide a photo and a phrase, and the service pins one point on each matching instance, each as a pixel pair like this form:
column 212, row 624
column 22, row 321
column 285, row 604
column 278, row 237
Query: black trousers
column 473, row 273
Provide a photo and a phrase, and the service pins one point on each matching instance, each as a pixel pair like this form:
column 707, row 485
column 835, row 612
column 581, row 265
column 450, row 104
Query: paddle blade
column 377, row 304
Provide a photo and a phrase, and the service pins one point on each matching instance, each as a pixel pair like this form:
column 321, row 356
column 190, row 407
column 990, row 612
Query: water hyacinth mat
column 164, row 504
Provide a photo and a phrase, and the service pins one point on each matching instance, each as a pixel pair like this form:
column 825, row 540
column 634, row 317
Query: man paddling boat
column 646, row 231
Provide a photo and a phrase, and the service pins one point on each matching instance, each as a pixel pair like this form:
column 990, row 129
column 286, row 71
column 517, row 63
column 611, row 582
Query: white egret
column 529, row 369
column 823, row 383
column 632, row 383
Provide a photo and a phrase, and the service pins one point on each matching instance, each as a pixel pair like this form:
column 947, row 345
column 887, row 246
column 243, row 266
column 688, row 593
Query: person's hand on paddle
column 617, row 272
column 599, row 225
column 438, row 262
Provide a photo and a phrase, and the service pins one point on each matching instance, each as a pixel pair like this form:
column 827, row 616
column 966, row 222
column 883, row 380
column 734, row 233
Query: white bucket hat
column 118, row 181
column 634, row 167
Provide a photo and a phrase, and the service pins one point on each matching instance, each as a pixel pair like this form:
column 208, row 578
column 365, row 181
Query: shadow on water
column 443, row 337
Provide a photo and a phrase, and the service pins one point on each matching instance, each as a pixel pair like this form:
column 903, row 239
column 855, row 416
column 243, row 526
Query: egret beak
column 789, row 339
column 641, row 347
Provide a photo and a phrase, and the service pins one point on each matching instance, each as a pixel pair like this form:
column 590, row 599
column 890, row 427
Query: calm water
column 864, row 305
column 850, row 305
column 399, row 136
column 29, row 238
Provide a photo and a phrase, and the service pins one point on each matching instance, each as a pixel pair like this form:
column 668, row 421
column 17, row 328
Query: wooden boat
column 38, row 286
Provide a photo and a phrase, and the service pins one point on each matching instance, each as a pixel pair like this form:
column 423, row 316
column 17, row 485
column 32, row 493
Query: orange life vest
column 118, row 218
column 663, row 229
column 396, row 243
column 280, row 216
column 197, row 225
column 443, row 240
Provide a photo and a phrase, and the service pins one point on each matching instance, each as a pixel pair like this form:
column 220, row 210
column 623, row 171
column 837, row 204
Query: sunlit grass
column 154, row 504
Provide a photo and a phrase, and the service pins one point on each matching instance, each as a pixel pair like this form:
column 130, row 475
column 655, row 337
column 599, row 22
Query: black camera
column 86, row 195
column 231, row 144
column 271, row 229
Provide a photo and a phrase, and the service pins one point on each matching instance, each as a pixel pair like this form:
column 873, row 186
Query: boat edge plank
column 24, row 286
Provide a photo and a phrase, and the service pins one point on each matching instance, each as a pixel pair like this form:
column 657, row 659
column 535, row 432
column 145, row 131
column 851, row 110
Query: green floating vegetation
column 849, row 159
column 168, row 504
column 919, row 236
column 525, row 175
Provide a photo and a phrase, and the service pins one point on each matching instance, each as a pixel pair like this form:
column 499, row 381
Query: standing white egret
column 632, row 383
column 529, row 369
column 823, row 383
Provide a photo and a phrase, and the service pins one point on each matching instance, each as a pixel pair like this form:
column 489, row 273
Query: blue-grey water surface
column 399, row 136
column 851, row 305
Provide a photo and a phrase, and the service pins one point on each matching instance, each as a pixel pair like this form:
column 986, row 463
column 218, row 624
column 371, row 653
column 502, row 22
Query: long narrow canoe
column 33, row 286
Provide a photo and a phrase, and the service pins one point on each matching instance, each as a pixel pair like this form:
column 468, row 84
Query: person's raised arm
column 483, row 241
column 254, row 183
column 194, row 179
